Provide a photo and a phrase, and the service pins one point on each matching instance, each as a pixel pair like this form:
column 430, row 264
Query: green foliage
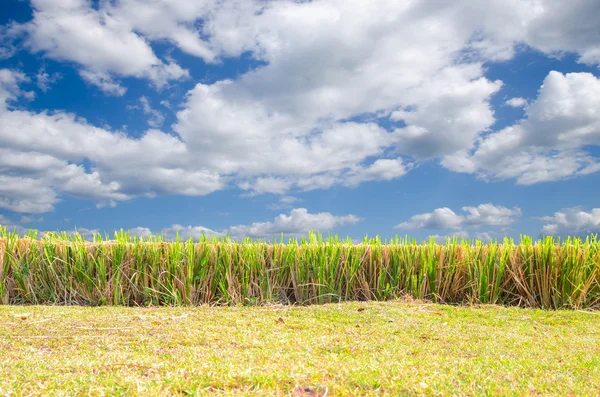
column 129, row 270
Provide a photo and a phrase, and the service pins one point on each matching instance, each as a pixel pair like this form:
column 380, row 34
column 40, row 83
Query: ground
column 349, row 349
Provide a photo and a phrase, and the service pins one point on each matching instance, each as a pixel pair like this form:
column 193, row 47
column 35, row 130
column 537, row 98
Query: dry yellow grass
column 350, row 349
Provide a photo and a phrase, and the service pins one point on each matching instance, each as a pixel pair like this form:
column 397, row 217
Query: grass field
column 349, row 349
column 129, row 271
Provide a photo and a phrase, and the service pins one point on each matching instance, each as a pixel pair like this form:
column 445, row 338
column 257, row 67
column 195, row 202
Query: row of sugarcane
column 128, row 270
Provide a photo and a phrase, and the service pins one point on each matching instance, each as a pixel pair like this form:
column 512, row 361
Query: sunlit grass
column 349, row 349
column 127, row 270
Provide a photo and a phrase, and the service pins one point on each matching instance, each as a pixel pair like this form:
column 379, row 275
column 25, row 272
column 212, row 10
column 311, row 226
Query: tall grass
column 127, row 270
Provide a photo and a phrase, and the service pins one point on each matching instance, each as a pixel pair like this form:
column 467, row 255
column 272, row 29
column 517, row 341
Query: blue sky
column 255, row 118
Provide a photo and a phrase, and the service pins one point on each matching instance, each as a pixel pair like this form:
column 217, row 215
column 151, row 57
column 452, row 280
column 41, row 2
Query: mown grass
column 350, row 349
column 63, row 269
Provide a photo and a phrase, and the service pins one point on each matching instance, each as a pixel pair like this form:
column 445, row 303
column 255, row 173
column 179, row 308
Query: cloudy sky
column 256, row 117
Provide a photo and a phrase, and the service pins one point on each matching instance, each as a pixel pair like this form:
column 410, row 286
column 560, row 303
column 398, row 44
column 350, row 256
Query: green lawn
column 350, row 349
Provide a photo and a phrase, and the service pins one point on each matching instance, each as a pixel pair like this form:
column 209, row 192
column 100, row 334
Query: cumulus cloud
column 46, row 162
column 297, row 222
column 87, row 234
column 15, row 195
column 490, row 215
column 284, row 202
column 440, row 218
column 572, row 221
column 210, row 29
column 169, row 233
column 442, row 99
column 10, row 89
column 292, row 110
column 29, row 219
column 451, row 120
column 96, row 40
column 140, row 232
column 29, row 182
column 442, row 239
column 156, row 118
column 104, row 81
column 516, row 102
column 558, row 30
column 482, row 215
column 187, row 232
column 12, row 226
column 173, row 21
column 485, row 237
column 549, row 143
column 276, row 144
column 331, row 74
column 44, row 80
column 266, row 185
column 379, row 170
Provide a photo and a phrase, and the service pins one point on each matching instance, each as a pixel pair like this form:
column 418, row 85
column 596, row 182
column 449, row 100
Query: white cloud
column 29, row 219
column 298, row 222
column 266, row 185
column 87, row 234
column 275, row 144
column 452, row 119
column 10, row 81
column 352, row 55
column 445, row 218
column 490, row 215
column 210, row 29
column 307, row 117
column 156, row 117
column 485, row 237
column 442, row 239
column 572, row 221
column 380, row 170
column 46, row 162
column 106, row 203
column 167, row 20
column 140, row 232
column 516, row 102
column 186, row 232
column 169, row 233
column 440, row 218
column 547, row 145
column 284, row 202
column 26, row 195
column 7, row 47
column 24, row 219
column 556, row 30
column 102, row 44
column 444, row 103
column 45, row 80
column 103, row 81
column 11, row 226
column 29, row 181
